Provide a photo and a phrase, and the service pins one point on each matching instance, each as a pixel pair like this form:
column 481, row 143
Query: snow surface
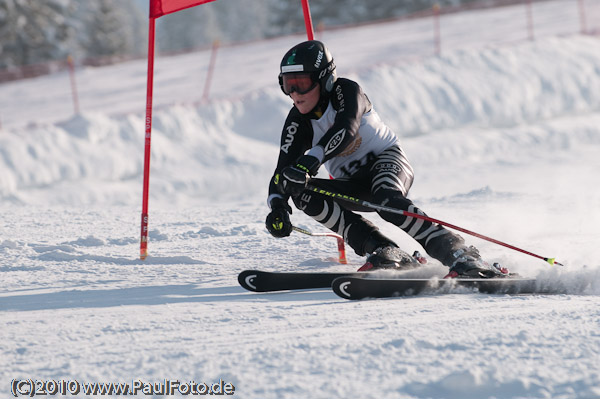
column 505, row 141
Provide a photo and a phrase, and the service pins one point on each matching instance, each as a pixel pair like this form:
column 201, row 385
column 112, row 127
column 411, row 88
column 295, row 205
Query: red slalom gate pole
column 340, row 242
column 582, row 20
column 382, row 208
column 158, row 8
column 308, row 20
column 147, row 140
column 437, row 38
column 73, row 85
column 211, row 68
column 530, row 20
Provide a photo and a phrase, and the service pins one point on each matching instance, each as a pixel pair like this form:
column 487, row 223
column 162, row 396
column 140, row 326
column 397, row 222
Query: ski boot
column 390, row 257
column 468, row 264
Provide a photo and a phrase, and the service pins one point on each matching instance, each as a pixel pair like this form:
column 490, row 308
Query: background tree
column 33, row 31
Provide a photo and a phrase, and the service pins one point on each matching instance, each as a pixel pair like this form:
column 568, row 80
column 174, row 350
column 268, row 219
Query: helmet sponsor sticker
column 292, row 68
column 319, row 59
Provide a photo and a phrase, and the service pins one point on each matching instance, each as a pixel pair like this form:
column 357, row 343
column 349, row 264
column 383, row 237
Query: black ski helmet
column 311, row 57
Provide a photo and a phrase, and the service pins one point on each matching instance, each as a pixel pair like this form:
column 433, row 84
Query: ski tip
column 247, row 279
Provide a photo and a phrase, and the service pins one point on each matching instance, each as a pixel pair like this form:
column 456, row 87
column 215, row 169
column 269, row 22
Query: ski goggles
column 300, row 83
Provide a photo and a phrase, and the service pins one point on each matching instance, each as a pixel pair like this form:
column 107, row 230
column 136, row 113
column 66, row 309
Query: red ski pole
column 358, row 201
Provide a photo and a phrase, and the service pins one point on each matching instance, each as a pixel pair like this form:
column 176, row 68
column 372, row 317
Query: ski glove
column 295, row 178
column 278, row 221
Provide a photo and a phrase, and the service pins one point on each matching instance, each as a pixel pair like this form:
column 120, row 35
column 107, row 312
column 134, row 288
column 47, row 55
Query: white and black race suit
column 364, row 159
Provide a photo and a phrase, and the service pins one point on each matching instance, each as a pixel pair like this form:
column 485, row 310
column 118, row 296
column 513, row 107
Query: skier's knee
column 392, row 199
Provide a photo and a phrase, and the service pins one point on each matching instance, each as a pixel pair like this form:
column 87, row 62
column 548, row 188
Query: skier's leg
column 391, row 178
column 359, row 233
column 437, row 241
column 391, row 170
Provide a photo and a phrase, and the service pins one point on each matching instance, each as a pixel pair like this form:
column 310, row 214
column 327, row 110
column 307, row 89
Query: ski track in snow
column 504, row 141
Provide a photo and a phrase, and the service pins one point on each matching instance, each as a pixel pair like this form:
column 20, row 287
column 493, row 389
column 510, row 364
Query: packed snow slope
column 504, row 141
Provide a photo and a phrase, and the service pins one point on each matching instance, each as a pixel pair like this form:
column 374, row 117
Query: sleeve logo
column 289, row 138
column 335, row 142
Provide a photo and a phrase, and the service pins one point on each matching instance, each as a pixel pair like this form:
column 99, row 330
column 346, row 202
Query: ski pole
column 340, row 242
column 358, row 201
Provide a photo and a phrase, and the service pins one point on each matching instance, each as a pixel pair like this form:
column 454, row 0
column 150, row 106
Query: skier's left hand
column 295, row 178
column 278, row 221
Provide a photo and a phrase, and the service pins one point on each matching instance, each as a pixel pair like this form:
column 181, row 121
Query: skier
column 333, row 123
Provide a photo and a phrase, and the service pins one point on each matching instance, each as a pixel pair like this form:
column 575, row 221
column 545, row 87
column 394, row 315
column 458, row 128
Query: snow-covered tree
column 36, row 31
column 33, row 31
column 226, row 21
column 109, row 28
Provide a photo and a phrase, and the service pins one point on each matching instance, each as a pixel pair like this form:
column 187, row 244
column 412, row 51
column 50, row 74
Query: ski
column 261, row 281
column 348, row 287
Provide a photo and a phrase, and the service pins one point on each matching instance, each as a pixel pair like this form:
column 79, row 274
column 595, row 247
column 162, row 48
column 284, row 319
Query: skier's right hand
column 278, row 221
column 295, row 178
